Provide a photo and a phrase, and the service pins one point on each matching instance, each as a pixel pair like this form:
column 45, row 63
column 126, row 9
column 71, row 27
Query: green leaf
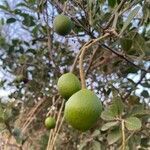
column 114, row 110
column 145, row 94
column 131, row 70
column 22, row 5
column 32, row 1
column 133, row 123
column 4, row 7
column 139, row 43
column 117, row 106
column 109, row 125
column 8, row 114
column 96, row 145
column 10, row 20
column 145, row 142
column 126, row 44
column 146, row 84
column 107, row 115
column 129, row 19
column 1, row 114
column 114, row 136
column 83, row 145
column 28, row 20
column 96, row 133
column 112, row 3
column 139, row 110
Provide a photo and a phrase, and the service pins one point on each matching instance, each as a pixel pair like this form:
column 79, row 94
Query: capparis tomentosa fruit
column 62, row 25
column 50, row 123
column 68, row 84
column 82, row 110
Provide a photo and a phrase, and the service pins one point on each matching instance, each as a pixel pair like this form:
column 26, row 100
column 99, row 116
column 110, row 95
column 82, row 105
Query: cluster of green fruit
column 83, row 107
column 62, row 26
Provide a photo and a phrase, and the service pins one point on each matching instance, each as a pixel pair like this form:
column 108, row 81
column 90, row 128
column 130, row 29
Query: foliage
column 33, row 57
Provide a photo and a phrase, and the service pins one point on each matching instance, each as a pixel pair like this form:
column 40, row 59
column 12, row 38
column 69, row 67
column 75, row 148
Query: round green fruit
column 82, row 110
column 50, row 123
column 68, row 84
column 62, row 25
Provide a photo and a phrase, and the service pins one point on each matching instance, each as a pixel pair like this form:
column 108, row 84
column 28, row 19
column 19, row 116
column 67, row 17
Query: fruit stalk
column 123, row 134
column 83, row 50
column 65, row 7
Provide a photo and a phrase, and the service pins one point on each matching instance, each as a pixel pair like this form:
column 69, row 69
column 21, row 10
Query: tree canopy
column 108, row 49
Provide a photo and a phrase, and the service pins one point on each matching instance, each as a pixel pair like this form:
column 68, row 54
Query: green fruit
column 62, row 25
column 68, row 84
column 50, row 123
column 82, row 110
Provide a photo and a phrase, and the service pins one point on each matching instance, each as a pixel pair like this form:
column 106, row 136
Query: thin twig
column 91, row 60
column 60, row 125
column 53, row 136
column 65, row 6
column 123, row 135
column 127, row 139
column 116, row 10
column 123, row 57
column 83, row 49
column 75, row 61
column 143, row 74
column 30, row 118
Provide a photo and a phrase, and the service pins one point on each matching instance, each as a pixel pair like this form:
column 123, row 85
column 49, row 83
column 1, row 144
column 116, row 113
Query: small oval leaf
column 10, row 20
column 114, row 136
column 133, row 123
column 109, row 125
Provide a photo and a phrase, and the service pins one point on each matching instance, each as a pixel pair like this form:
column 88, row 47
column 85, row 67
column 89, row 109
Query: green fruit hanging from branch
column 50, row 123
column 83, row 109
column 62, row 25
column 68, row 84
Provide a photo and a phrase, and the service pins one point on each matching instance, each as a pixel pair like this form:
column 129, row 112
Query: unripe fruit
column 68, row 84
column 50, row 123
column 62, row 25
column 82, row 110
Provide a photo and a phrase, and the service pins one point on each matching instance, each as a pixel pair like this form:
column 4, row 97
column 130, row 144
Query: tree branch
column 83, row 49
column 143, row 74
column 123, row 57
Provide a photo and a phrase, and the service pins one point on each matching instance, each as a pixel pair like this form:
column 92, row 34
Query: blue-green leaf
column 10, row 20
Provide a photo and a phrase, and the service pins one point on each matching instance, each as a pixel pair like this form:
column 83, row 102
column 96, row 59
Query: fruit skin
column 83, row 109
column 68, row 84
column 62, row 25
column 50, row 123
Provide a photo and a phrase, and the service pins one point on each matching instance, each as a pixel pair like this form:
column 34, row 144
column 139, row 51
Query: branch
column 75, row 62
column 141, row 79
column 123, row 135
column 83, row 49
column 91, row 60
column 126, row 59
